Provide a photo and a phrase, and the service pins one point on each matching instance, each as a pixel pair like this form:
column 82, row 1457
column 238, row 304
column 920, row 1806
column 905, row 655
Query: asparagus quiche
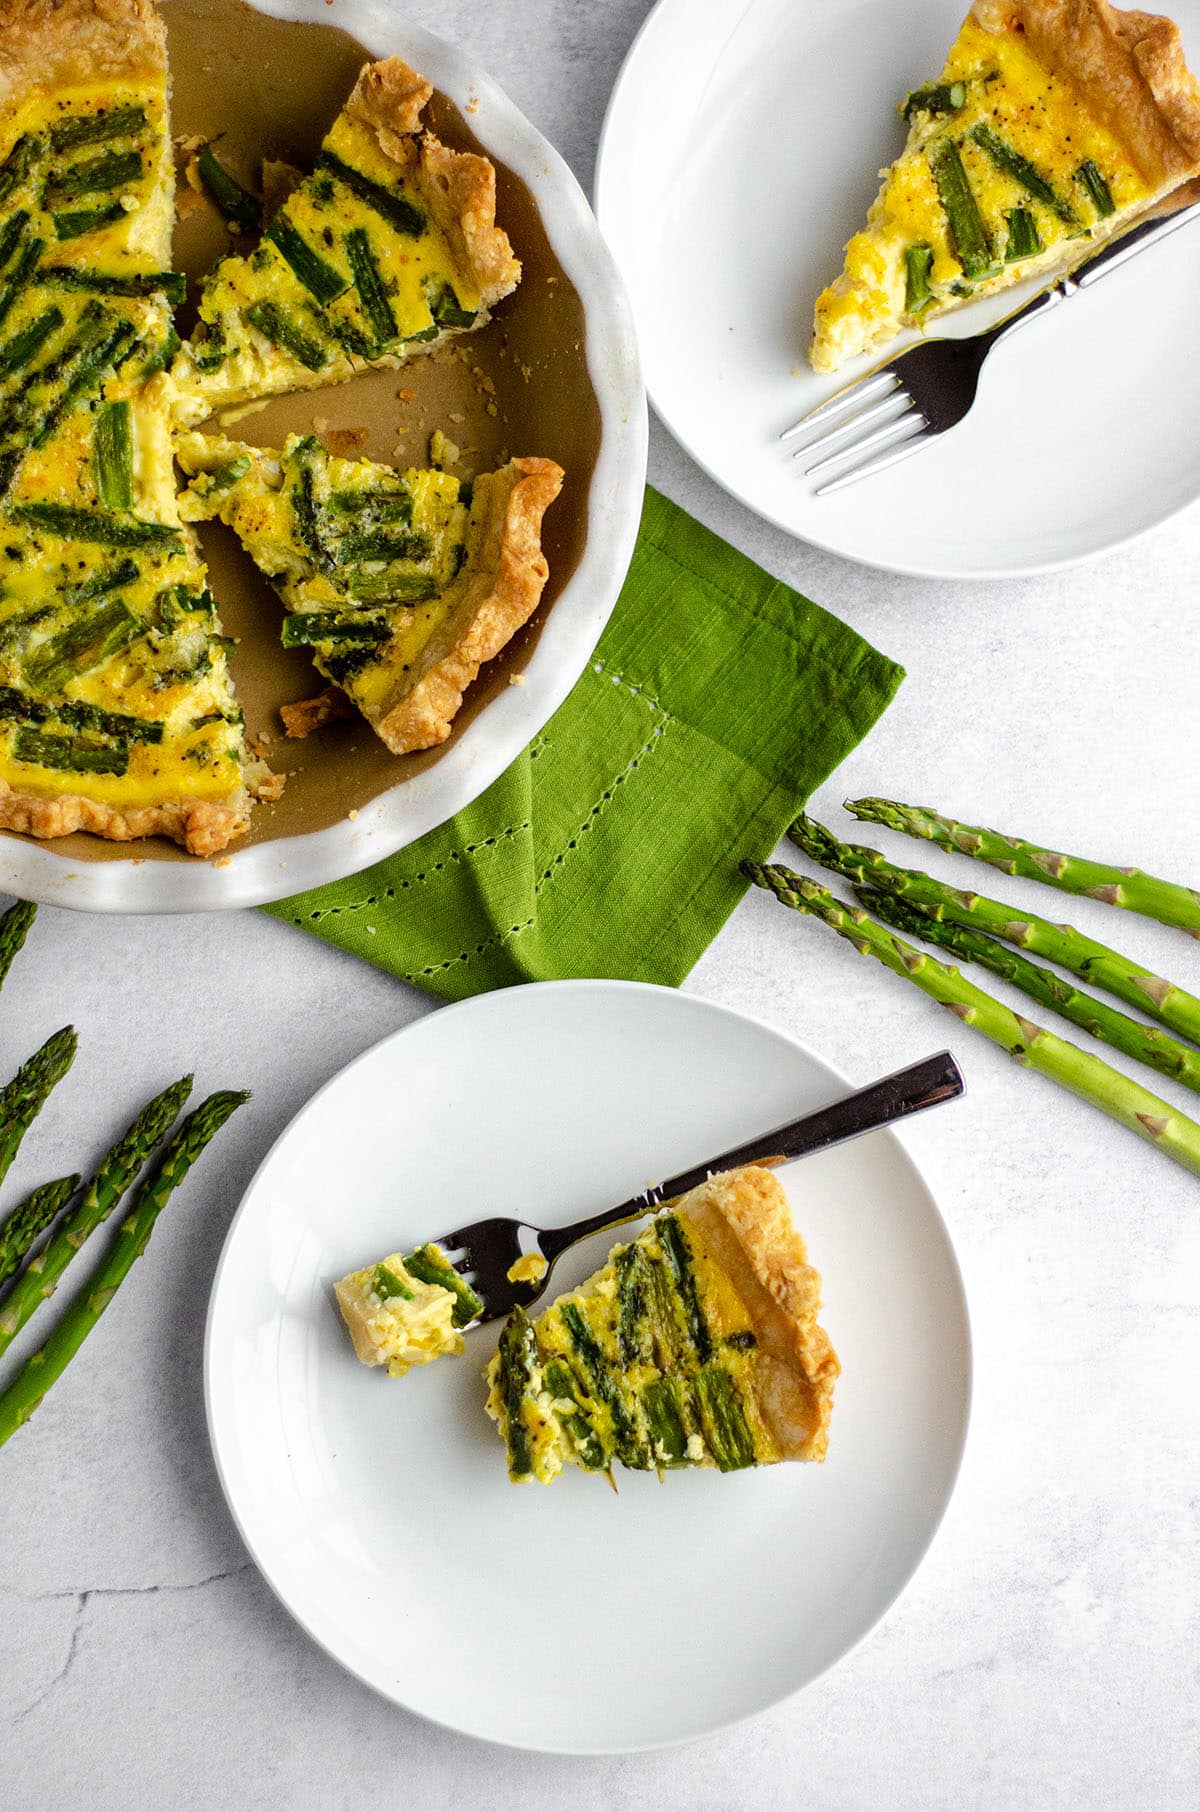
column 403, row 1312
column 116, row 710
column 1054, row 125
column 698, row 1344
column 401, row 584
column 390, row 245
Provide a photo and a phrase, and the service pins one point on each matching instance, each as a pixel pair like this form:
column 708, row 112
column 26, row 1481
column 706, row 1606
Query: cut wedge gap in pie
column 117, row 714
column 400, row 584
column 387, row 248
column 698, row 1344
column 1054, row 125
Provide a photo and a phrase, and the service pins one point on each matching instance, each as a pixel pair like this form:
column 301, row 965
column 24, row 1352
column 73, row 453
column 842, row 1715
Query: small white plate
column 570, row 1618
column 740, row 152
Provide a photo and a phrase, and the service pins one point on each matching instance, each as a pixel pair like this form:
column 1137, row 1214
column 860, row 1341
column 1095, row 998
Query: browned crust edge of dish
column 503, row 588
column 53, row 43
column 458, row 187
column 1129, row 66
column 202, row 826
column 744, row 1219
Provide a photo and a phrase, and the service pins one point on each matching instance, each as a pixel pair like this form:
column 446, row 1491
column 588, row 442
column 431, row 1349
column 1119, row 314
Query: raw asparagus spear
column 1028, row 1044
column 14, row 929
column 30, row 1218
column 41, row 1369
column 22, row 1101
column 1093, row 962
column 117, row 1170
column 1147, row 1043
column 1127, row 887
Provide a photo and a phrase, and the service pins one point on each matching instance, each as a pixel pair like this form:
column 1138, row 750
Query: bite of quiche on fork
column 1054, row 125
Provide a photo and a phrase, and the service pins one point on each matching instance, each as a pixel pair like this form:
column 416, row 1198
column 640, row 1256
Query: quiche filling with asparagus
column 116, row 709
column 1054, row 124
column 401, row 584
column 403, row 1312
column 388, row 247
column 698, row 1344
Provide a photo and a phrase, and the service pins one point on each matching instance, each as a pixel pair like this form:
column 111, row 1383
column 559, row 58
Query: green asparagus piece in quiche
column 46, row 1366
column 1030, row 1045
column 30, row 1219
column 1155, row 1048
column 25, row 1096
column 1093, row 962
column 1168, row 901
column 117, row 1170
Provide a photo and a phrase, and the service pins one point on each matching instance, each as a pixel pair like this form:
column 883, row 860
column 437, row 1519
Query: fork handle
column 908, row 1091
column 1110, row 257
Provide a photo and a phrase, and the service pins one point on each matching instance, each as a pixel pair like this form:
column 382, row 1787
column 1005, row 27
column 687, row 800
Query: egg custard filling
column 389, row 246
column 399, row 584
column 116, row 709
column 406, row 1311
column 1053, row 125
column 698, row 1344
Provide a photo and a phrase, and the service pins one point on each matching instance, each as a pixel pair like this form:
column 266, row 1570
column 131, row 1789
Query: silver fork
column 905, row 402
column 484, row 1252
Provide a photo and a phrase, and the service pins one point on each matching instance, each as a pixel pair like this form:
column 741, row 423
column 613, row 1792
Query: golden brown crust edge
column 503, row 589
column 203, row 826
column 52, row 43
column 1129, row 66
column 459, row 187
column 744, row 1218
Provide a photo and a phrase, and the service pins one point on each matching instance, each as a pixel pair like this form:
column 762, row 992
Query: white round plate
column 740, row 152
column 571, row 1619
column 489, row 744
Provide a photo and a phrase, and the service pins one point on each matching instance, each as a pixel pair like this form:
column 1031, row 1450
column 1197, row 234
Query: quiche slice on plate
column 698, row 1344
column 400, row 584
column 117, row 713
column 388, row 247
column 1053, row 125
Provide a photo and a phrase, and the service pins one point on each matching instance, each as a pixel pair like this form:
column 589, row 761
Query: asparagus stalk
column 972, row 247
column 14, row 929
column 241, row 210
column 1028, row 1044
column 43, row 1368
column 1127, row 887
column 1147, row 1044
column 117, row 1170
column 1093, row 962
column 22, row 1101
column 31, row 1218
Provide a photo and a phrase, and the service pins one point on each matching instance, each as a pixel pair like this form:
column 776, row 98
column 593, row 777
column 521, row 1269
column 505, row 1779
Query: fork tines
column 876, row 420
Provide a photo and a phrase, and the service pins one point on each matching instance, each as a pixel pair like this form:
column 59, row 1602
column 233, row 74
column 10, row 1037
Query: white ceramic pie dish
column 271, row 870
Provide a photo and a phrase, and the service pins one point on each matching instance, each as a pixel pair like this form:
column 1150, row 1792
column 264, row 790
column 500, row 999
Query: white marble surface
column 1045, row 1656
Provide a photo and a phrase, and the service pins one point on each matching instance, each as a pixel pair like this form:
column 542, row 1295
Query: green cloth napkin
column 716, row 701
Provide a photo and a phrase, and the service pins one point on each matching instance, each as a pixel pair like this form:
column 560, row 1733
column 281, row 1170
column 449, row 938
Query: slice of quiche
column 1054, row 125
column 390, row 245
column 401, row 584
column 116, row 710
column 698, row 1344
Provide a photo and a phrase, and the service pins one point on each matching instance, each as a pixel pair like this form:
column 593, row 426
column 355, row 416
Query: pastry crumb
column 516, row 679
column 345, row 441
